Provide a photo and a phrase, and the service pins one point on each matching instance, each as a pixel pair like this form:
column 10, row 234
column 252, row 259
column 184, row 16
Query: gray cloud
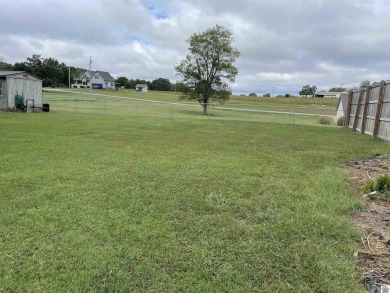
column 284, row 44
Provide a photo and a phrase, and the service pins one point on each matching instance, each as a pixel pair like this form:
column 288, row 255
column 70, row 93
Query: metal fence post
column 293, row 115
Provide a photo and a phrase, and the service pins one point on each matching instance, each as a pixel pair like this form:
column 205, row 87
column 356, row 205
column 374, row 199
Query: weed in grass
column 383, row 183
column 380, row 184
column 326, row 120
column 340, row 121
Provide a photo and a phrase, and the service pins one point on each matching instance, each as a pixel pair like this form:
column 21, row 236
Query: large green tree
column 50, row 70
column 4, row 65
column 208, row 68
column 337, row 89
column 364, row 84
column 308, row 90
column 122, row 80
column 161, row 84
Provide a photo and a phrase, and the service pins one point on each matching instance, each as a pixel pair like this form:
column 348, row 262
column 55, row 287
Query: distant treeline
column 159, row 84
column 56, row 74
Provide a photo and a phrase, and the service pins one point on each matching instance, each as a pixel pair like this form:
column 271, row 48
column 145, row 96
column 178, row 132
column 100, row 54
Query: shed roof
column 6, row 73
column 10, row 73
column 141, row 85
column 328, row 93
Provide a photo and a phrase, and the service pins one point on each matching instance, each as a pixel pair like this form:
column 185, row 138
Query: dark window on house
column 97, row 76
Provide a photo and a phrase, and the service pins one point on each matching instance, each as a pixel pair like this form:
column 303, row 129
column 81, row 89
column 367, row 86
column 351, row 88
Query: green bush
column 382, row 183
column 326, row 120
column 340, row 121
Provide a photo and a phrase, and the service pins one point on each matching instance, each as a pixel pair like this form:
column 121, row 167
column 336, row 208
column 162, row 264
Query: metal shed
column 141, row 87
column 20, row 90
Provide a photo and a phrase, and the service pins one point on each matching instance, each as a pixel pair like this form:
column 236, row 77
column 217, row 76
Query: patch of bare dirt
column 373, row 222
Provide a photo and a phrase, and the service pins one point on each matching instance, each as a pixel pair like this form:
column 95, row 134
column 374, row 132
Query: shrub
column 267, row 95
column 382, row 183
column 287, row 95
column 252, row 95
column 326, row 120
column 340, row 121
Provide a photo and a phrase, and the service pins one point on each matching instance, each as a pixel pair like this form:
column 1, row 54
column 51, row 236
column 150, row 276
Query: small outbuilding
column 328, row 94
column 20, row 90
column 141, row 87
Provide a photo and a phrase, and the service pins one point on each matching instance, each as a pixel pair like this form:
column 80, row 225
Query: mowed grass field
column 110, row 203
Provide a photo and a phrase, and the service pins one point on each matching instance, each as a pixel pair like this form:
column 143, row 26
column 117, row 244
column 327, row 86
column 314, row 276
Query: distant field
column 293, row 101
column 116, row 203
column 165, row 104
column 173, row 97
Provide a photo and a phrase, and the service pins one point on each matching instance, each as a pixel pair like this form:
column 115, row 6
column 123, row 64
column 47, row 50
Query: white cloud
column 284, row 44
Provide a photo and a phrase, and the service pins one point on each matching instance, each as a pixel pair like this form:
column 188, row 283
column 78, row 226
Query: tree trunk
column 205, row 109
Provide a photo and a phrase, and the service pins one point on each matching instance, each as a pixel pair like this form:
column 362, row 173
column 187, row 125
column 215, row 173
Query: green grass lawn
column 110, row 203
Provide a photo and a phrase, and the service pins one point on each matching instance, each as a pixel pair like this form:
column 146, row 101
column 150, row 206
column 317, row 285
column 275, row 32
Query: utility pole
column 341, row 88
column 90, row 63
column 69, row 75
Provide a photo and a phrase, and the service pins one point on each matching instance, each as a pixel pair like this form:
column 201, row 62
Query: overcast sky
column 284, row 44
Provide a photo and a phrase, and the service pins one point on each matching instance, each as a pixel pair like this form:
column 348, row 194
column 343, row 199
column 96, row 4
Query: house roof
column 141, row 85
column 89, row 73
column 105, row 75
column 86, row 73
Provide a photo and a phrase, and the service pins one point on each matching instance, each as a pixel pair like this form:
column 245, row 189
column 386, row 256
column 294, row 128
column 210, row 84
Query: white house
column 95, row 79
column 141, row 88
column 83, row 80
column 102, row 80
column 20, row 90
